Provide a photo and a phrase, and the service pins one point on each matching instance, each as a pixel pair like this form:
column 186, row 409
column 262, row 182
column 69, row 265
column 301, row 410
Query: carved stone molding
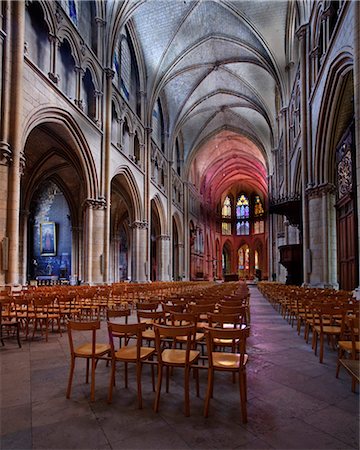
column 93, row 203
column 22, row 164
column 109, row 73
column 5, row 154
column 163, row 237
column 139, row 224
column 320, row 190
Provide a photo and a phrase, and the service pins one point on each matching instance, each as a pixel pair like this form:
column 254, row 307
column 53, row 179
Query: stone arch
column 66, row 33
column 161, row 211
column 130, row 191
column 64, row 122
column 324, row 145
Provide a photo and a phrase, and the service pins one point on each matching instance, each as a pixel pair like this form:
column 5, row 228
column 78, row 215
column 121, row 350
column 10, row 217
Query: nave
column 293, row 400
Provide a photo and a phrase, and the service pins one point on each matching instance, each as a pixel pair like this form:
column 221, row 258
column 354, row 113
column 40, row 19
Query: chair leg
column 158, row 389
column 242, row 397
column 340, row 354
column 18, row 335
column 208, row 392
column 72, row 367
column 92, row 389
column 138, row 379
column 87, row 370
column 186, row 391
column 321, row 356
column 112, row 381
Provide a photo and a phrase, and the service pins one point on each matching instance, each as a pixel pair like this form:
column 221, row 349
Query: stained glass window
column 242, row 207
column 226, row 228
column 258, row 226
column 258, row 207
column 73, row 11
column 226, row 209
column 256, row 259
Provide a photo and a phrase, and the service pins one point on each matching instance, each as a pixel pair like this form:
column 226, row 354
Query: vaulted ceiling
column 217, row 65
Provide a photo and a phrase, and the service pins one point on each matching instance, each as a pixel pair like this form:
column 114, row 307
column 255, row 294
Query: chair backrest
column 202, row 309
column 219, row 320
column 150, row 317
column 172, row 332
column 91, row 326
column 183, row 318
column 170, row 308
column 117, row 313
column 128, row 330
column 238, row 336
column 147, row 306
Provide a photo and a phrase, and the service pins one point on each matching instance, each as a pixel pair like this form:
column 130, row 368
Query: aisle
column 296, row 398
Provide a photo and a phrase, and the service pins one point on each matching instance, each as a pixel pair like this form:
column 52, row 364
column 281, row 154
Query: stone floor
column 294, row 402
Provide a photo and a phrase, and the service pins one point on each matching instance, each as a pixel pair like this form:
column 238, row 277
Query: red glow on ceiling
column 226, row 160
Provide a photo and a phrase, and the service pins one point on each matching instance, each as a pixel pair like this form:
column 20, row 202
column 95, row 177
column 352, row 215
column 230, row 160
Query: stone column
column 75, row 251
column 96, row 210
column 181, row 261
column 164, row 257
column 23, row 257
column 187, row 248
column 106, row 185
column 140, row 269
column 322, row 242
column 15, row 135
column 54, row 44
column 147, row 207
column 100, row 23
column 5, row 152
column 79, row 71
column 302, row 34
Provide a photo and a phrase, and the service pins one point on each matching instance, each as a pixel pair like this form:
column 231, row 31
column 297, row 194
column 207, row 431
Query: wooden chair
column 329, row 318
column 174, row 357
column 91, row 351
column 114, row 315
column 8, row 323
column 150, row 318
column 129, row 354
column 352, row 348
column 234, row 362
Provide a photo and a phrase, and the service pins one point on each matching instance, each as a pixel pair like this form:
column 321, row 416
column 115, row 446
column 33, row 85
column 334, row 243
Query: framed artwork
column 48, row 239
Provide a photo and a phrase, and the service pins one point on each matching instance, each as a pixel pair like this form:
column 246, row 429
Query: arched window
column 226, row 209
column 178, row 158
column 89, row 103
column 242, row 216
column 86, row 13
column 37, row 36
column 158, row 125
column 66, row 70
column 126, row 76
column 258, row 213
column 136, row 149
column 258, row 207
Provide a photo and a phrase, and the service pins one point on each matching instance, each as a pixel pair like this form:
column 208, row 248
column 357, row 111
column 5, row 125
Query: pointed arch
column 131, row 191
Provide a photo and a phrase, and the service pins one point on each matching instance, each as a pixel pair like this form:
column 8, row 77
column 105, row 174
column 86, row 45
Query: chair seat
column 225, row 341
column 328, row 329
column 129, row 353
column 346, row 345
column 198, row 337
column 86, row 349
column 178, row 356
column 229, row 361
column 148, row 334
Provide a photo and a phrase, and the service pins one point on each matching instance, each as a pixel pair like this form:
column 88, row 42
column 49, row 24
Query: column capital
column 301, row 31
column 139, row 224
column 100, row 21
column 5, row 154
column 110, row 73
column 320, row 190
column 99, row 203
column 163, row 237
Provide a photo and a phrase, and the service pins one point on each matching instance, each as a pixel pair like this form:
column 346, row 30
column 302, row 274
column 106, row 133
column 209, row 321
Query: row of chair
column 324, row 313
column 172, row 335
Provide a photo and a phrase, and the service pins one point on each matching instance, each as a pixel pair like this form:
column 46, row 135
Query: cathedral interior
column 190, row 157
column 180, row 140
